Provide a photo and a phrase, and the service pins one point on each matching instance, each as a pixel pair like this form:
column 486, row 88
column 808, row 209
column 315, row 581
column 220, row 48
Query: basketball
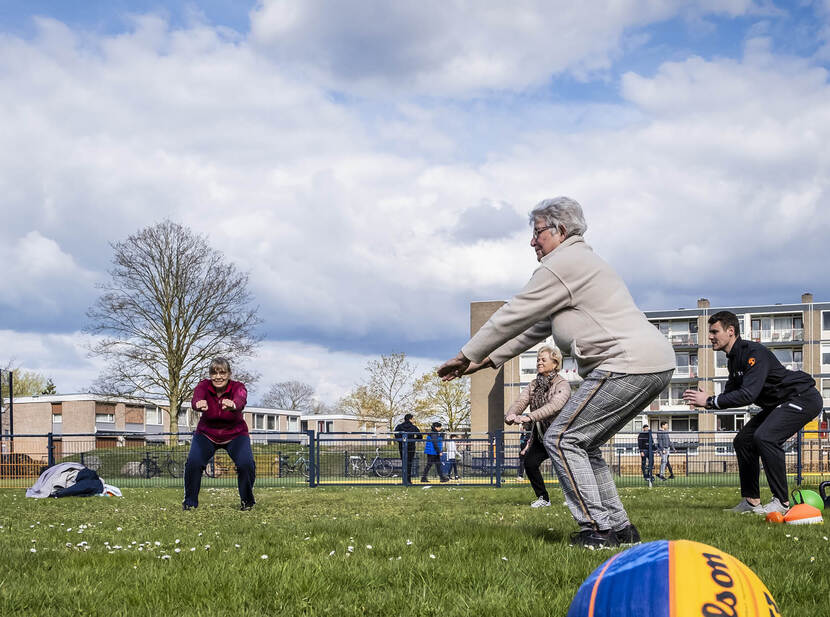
column 803, row 514
column 673, row 578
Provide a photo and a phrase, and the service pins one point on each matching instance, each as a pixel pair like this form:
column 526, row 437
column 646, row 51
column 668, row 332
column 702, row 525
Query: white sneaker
column 744, row 506
column 773, row 506
column 540, row 503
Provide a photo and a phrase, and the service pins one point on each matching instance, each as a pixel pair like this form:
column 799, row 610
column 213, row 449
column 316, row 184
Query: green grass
column 493, row 555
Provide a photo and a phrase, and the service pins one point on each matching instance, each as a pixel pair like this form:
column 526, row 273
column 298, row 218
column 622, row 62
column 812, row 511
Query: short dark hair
column 408, row 416
column 664, row 423
column 436, row 424
column 726, row 318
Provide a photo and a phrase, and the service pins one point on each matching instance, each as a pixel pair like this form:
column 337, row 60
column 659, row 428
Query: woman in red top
column 221, row 402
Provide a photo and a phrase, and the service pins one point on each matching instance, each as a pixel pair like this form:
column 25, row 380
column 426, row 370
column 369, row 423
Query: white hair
column 560, row 211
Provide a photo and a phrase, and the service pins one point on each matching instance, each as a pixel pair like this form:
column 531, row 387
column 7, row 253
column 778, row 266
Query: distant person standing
column 451, row 454
column 221, row 425
column 407, row 431
column 646, row 446
column 788, row 400
column 664, row 447
column 433, row 448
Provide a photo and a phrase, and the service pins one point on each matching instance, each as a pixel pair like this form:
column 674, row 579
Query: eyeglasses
column 536, row 231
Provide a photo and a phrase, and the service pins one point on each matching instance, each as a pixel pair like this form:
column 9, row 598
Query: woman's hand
column 522, row 419
column 477, row 366
column 454, row 368
column 201, row 405
column 228, row 404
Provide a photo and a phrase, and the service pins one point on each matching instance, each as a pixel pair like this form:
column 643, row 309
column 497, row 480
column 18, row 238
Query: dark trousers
column 202, row 450
column 452, row 467
column 433, row 459
column 764, row 435
column 410, row 456
column 647, row 463
column 535, row 456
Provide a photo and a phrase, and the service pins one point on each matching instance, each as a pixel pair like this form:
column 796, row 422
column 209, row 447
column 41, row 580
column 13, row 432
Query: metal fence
column 317, row 459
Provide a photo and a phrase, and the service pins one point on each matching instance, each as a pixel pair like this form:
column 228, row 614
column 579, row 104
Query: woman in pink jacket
column 220, row 401
column 546, row 395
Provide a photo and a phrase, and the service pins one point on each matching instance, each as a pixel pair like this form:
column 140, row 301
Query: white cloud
column 358, row 219
column 449, row 48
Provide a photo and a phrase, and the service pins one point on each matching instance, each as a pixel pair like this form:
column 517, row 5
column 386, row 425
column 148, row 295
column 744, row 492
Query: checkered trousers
column 604, row 403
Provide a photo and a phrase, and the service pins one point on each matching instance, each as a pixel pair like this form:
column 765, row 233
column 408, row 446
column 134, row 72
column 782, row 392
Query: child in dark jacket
column 433, row 448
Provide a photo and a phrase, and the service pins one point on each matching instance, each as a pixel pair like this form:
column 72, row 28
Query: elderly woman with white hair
column 545, row 396
column 624, row 361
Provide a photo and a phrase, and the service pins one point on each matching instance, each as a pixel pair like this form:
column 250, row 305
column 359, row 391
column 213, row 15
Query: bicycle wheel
column 146, row 470
column 382, row 468
column 175, row 468
column 303, row 469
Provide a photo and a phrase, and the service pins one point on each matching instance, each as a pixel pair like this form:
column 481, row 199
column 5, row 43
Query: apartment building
column 81, row 422
column 798, row 334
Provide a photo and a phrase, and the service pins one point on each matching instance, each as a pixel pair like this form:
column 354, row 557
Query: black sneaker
column 187, row 506
column 593, row 539
column 244, row 507
column 662, row 477
column 445, row 479
column 671, row 477
column 628, row 535
column 424, row 480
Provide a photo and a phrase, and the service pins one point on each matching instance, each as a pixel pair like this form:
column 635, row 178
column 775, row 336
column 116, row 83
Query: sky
column 372, row 164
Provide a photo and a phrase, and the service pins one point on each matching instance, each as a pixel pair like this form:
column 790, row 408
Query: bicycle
column 360, row 465
column 149, row 466
column 283, row 465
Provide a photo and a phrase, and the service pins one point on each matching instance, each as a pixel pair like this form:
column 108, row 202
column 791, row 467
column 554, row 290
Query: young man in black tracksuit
column 407, row 431
column 647, row 448
column 788, row 400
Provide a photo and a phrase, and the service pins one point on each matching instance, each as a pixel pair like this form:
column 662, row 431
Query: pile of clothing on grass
column 70, row 480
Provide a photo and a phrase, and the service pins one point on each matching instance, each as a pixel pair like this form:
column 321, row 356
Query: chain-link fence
column 311, row 459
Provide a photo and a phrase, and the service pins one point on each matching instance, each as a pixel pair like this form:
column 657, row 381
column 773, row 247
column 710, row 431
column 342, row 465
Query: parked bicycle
column 149, row 467
column 284, row 465
column 360, row 466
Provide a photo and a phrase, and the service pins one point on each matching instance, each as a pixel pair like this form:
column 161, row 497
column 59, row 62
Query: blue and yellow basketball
column 673, row 578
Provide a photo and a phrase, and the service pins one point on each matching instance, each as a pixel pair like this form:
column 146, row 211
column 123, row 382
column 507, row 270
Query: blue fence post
column 799, row 462
column 312, row 459
column 50, row 444
column 499, row 439
column 407, row 481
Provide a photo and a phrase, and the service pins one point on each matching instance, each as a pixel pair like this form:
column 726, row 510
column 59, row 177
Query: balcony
column 778, row 336
column 666, row 403
column 683, row 338
column 685, row 372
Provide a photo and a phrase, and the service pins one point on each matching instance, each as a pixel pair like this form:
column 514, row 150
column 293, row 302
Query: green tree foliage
column 447, row 401
column 386, row 393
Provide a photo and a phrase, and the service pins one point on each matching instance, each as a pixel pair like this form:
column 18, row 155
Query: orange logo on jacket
column 751, row 362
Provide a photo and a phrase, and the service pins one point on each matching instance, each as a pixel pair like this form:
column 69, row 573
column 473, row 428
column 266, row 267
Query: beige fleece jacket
column 578, row 298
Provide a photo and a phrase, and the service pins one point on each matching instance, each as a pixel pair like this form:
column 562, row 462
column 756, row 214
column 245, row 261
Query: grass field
column 358, row 551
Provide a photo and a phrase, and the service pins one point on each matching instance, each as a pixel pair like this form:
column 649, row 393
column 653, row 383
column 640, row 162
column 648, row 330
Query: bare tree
column 171, row 305
column 448, row 401
column 292, row 394
column 387, row 392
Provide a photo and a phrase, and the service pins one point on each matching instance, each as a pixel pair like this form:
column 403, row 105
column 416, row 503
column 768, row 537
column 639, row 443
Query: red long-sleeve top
column 217, row 424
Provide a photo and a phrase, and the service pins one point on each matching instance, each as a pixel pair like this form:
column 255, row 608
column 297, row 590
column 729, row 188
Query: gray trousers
column 604, row 403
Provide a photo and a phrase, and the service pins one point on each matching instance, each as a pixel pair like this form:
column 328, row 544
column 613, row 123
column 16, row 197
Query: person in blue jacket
column 433, row 448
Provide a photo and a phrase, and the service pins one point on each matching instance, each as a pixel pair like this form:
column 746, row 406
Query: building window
column 684, row 423
column 731, row 422
column 104, row 417
column 790, row 358
column 57, row 418
column 271, row 422
column 825, row 390
column 292, row 424
column 825, row 323
column 259, row 421
column 527, row 363
column 152, row 415
column 686, row 365
column 825, row 357
column 720, row 360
